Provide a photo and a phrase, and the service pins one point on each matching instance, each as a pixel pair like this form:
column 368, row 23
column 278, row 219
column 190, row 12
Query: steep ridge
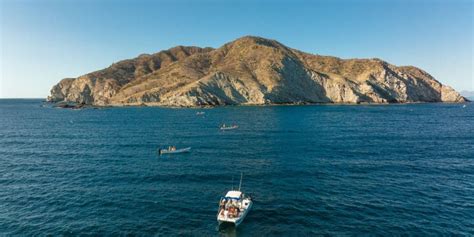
column 253, row 71
column 99, row 86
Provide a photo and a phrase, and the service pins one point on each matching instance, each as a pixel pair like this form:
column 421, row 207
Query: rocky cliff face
column 250, row 70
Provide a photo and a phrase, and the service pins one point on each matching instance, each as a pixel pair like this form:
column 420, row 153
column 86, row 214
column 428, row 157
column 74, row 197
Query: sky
column 43, row 41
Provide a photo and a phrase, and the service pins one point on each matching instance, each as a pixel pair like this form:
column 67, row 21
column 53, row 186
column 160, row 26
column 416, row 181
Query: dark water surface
column 386, row 169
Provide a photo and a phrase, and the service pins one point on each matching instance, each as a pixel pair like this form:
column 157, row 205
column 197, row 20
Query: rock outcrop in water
column 251, row 71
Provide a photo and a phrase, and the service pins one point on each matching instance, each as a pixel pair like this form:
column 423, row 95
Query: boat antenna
column 240, row 184
column 232, row 182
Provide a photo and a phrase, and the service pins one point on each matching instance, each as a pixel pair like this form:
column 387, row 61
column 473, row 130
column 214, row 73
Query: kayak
column 166, row 151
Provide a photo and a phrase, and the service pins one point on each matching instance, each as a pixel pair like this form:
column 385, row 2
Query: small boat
column 234, row 207
column 224, row 127
column 200, row 113
column 170, row 150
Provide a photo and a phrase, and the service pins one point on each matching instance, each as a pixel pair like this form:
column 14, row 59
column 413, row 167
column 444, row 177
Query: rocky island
column 249, row 71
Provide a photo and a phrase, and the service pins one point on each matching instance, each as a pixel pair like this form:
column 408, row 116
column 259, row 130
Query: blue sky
column 43, row 41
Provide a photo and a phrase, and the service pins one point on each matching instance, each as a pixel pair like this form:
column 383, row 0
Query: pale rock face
column 252, row 71
column 448, row 94
column 60, row 90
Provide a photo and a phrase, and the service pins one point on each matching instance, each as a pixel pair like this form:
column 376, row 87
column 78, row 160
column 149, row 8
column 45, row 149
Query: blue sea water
column 312, row 170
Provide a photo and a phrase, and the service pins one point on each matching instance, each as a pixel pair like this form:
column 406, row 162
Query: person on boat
column 231, row 211
column 222, row 204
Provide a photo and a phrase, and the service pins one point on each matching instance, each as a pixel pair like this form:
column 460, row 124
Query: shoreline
column 70, row 105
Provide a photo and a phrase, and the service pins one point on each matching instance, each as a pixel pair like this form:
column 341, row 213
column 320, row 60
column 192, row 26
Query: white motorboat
column 171, row 150
column 234, row 207
column 224, row 127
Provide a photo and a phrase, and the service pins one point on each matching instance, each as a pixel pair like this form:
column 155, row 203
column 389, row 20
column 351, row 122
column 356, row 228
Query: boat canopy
column 233, row 194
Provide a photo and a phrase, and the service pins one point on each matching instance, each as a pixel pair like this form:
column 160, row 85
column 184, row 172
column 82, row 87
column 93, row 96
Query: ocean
column 311, row 170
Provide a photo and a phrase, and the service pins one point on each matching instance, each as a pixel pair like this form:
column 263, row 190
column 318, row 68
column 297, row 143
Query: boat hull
column 184, row 150
column 229, row 128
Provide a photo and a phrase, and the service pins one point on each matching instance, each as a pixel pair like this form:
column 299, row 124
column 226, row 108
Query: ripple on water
column 312, row 170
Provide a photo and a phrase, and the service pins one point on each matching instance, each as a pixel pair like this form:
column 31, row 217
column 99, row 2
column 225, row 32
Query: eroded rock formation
column 250, row 70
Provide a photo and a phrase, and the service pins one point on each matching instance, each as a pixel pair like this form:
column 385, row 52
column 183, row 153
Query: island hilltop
column 250, row 71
